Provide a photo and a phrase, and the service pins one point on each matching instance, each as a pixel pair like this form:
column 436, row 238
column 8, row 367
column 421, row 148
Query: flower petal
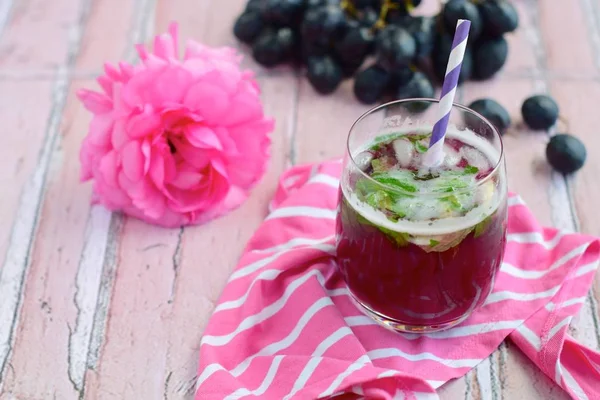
column 119, row 137
column 245, row 107
column 253, row 143
column 209, row 101
column 144, row 123
column 109, row 168
column 133, row 161
column 157, row 169
column 101, row 129
column 87, row 157
column 94, row 102
column 106, row 84
column 202, row 137
column 170, row 86
column 170, row 167
column 146, row 151
column 199, row 158
column 228, row 144
column 164, row 46
column 187, row 179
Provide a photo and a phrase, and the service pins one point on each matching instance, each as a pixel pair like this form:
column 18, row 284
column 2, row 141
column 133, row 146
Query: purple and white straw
column 435, row 153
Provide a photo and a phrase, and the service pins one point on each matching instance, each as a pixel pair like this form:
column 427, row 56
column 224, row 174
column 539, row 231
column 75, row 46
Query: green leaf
column 401, row 239
column 482, row 227
column 379, row 199
column 378, row 165
column 386, row 179
column 397, row 210
column 365, row 186
column 469, row 169
column 453, row 201
column 421, row 148
column 451, row 185
column 416, row 137
column 433, row 242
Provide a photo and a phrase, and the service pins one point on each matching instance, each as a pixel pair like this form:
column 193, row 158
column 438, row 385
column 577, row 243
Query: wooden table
column 98, row 306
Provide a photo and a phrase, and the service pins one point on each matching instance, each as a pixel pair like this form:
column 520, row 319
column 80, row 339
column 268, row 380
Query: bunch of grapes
column 390, row 53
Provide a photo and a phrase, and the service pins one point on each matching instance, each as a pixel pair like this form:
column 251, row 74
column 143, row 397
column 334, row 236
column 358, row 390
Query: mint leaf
column 453, row 201
column 482, row 227
column 401, row 239
column 378, row 165
column 421, row 148
column 365, row 186
column 386, row 179
column 379, row 199
column 433, row 242
column 397, row 210
column 469, row 169
column 415, row 138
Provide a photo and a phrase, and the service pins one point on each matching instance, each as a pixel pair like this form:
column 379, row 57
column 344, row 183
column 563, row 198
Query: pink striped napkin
column 285, row 327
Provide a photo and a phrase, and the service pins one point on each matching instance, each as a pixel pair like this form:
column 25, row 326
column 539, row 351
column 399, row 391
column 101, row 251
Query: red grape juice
column 419, row 248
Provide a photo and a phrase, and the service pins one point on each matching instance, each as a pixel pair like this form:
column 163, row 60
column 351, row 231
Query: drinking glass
column 425, row 275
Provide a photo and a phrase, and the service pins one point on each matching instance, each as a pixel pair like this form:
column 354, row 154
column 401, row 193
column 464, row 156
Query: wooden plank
column 101, row 45
column 17, row 259
column 322, row 130
column 57, row 328
column 48, row 314
column 524, row 380
column 37, row 35
column 22, row 173
column 576, row 107
column 565, row 53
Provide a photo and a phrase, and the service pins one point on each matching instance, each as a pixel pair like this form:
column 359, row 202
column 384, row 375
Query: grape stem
column 348, row 6
column 383, row 12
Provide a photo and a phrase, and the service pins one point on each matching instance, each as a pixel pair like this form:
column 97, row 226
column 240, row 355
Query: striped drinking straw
column 435, row 153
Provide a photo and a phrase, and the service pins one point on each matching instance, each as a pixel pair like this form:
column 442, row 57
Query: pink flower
column 172, row 141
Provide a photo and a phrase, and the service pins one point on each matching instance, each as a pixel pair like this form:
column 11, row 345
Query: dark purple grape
column 273, row 47
column 284, row 12
column 255, row 5
column 423, row 30
column 396, row 47
column 324, row 74
column 418, row 86
column 349, row 67
column 356, row 45
column 440, row 55
column 248, row 26
column 399, row 77
column 489, row 57
column 310, row 49
column 368, row 17
column 566, row 153
column 395, row 16
column 539, row 112
column 362, row 4
column 319, row 3
column 499, row 17
column 371, row 83
column 492, row 111
column 323, row 24
column 462, row 9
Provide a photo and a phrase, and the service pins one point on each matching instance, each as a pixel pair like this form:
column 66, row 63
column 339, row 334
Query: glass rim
column 372, row 110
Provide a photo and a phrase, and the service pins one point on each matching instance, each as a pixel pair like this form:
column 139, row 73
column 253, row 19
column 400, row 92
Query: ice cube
column 363, row 160
column 404, row 152
column 451, row 157
column 475, row 158
column 485, row 194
